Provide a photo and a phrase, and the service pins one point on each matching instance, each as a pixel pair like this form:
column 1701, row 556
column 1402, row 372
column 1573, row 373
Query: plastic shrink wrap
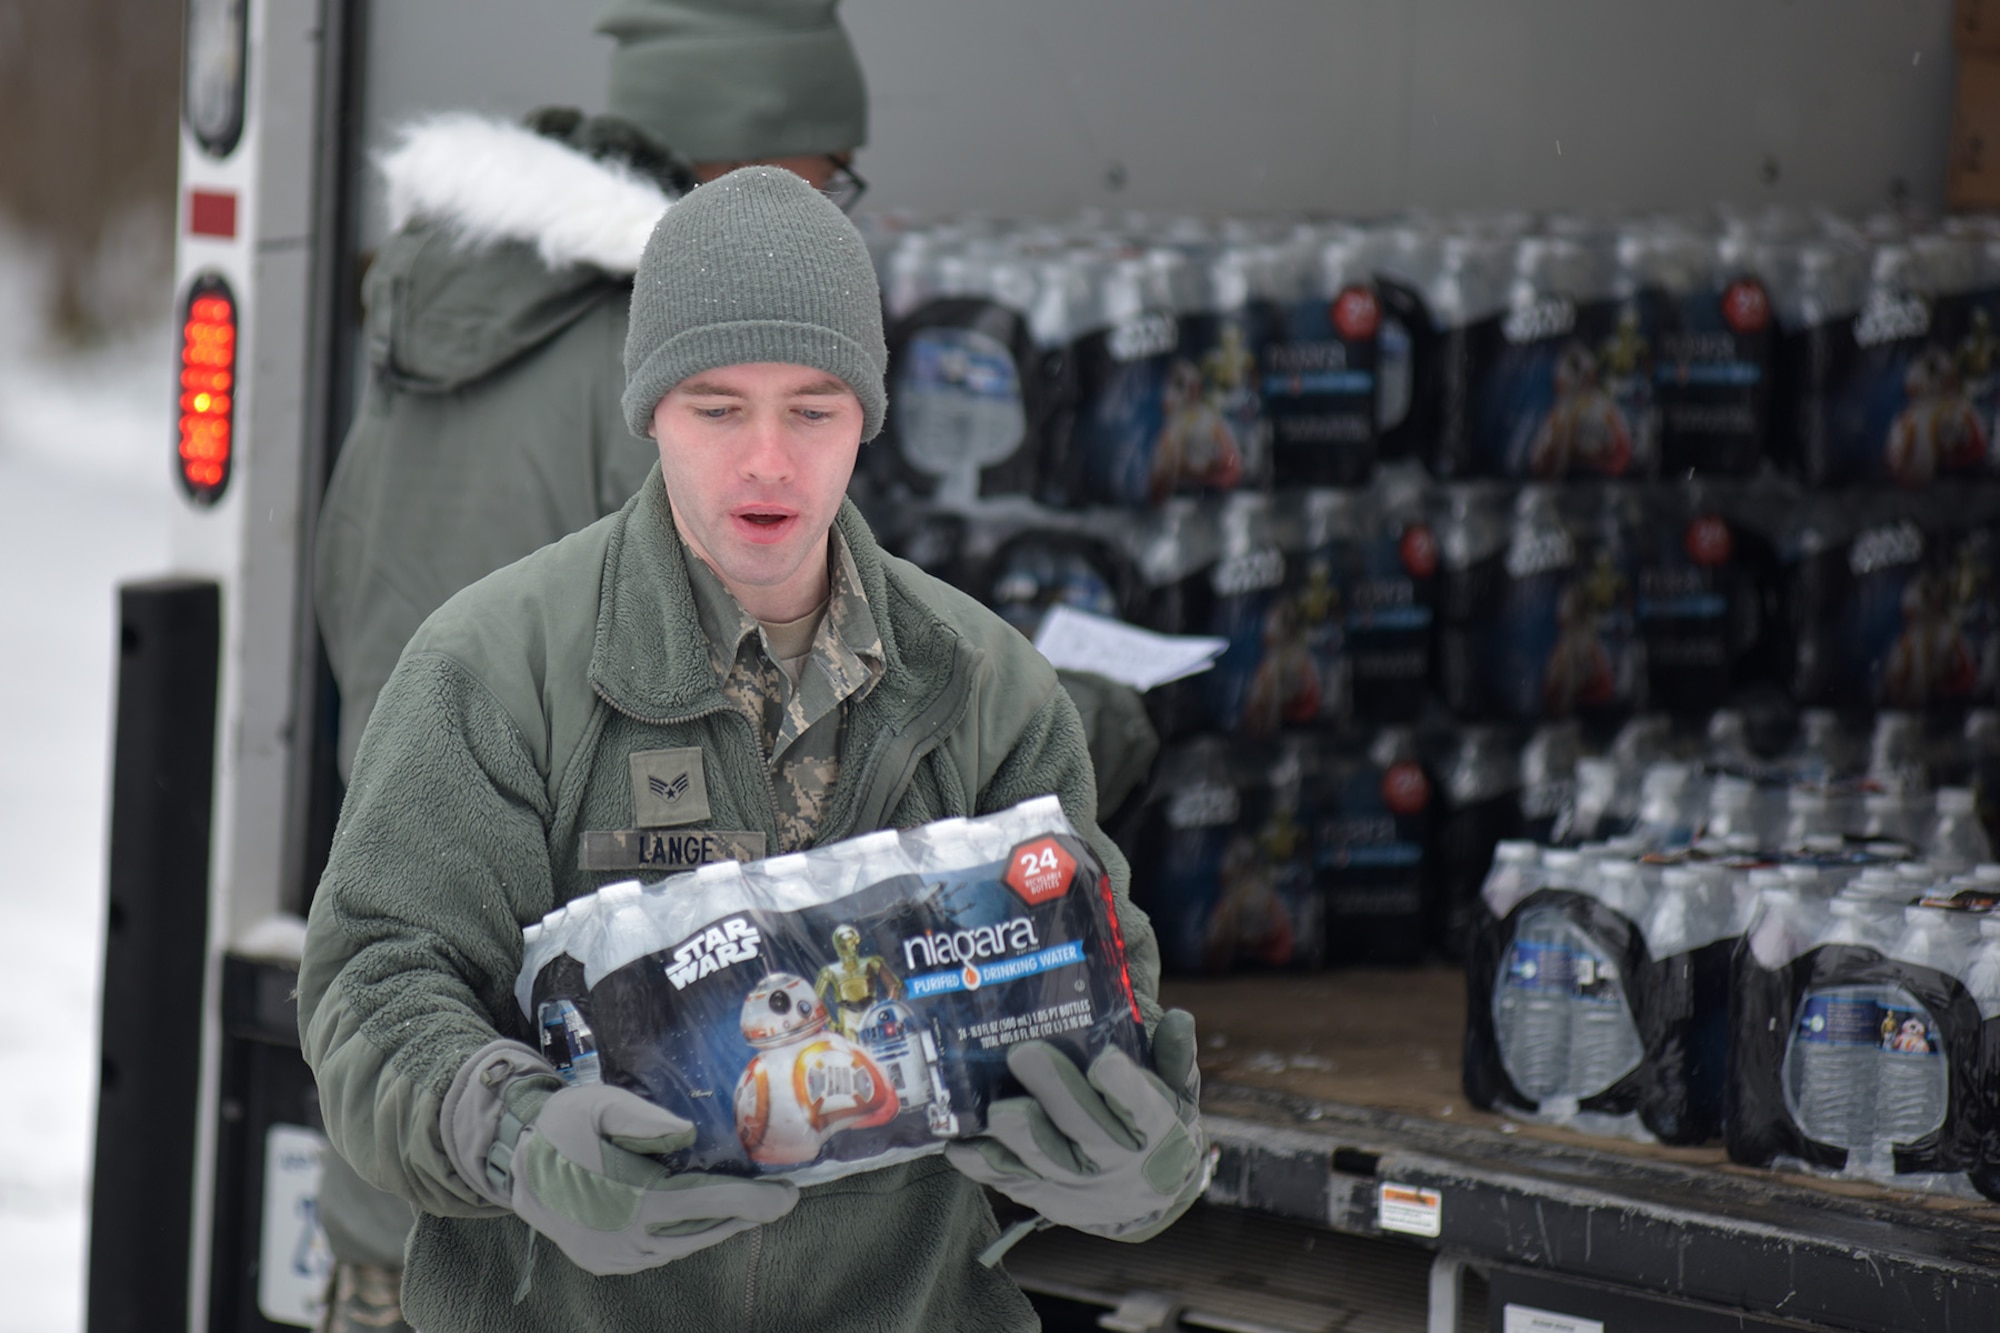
column 837, row 1010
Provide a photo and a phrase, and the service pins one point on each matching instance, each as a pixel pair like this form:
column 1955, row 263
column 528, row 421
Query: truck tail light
column 208, row 389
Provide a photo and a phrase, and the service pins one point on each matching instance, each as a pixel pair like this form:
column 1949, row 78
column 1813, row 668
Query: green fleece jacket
column 500, row 738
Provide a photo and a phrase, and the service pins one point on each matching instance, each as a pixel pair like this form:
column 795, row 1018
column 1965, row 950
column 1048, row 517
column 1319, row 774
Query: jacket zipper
column 913, row 743
column 750, row 1280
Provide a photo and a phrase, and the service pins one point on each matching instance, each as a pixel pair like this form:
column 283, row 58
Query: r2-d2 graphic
column 805, row 1084
column 903, row 1046
column 567, row 1043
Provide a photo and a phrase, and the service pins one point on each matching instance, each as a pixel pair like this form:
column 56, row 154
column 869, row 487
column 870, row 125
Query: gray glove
column 1118, row 1152
column 574, row 1164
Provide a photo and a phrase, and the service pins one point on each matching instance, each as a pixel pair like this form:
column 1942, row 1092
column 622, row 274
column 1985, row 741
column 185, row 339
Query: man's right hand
column 575, row 1164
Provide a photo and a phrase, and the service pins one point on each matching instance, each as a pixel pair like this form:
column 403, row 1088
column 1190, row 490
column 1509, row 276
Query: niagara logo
column 724, row 944
column 966, row 948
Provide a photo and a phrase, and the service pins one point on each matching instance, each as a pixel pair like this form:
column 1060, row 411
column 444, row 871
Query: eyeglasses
column 844, row 186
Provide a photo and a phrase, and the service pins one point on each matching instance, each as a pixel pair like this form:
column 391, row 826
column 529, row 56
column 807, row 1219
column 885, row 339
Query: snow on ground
column 85, row 501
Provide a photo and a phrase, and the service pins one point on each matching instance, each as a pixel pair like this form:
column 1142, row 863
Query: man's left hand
column 1117, row 1152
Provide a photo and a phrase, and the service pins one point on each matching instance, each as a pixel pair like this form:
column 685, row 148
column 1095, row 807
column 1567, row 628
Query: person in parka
column 734, row 624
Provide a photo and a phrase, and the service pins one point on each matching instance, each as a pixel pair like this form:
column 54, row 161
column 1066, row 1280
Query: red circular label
column 1357, row 314
column 1708, row 540
column 1746, row 307
column 1419, row 551
column 1405, row 789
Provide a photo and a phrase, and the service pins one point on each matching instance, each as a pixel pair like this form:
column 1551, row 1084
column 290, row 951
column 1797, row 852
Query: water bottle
column 1876, row 883
column 1982, row 973
column 1890, row 816
column 1982, row 981
column 1896, row 753
column 1670, row 805
column 1604, row 1044
column 1777, row 931
column 1531, row 1006
column 1915, row 1079
column 947, row 845
column 1734, row 808
column 1808, row 815
column 1980, row 755
column 1516, row 873
column 1596, row 809
column 1955, row 839
column 1806, row 877
column 1965, row 759
column 1472, row 590
column 555, row 997
column 1480, row 781
column 1820, row 754
column 1621, row 886
column 624, row 931
column 567, row 1042
column 1548, row 781
column 1638, row 745
column 1646, row 739
column 1914, row 880
column 1728, row 743
column 1545, row 656
column 1832, row 1066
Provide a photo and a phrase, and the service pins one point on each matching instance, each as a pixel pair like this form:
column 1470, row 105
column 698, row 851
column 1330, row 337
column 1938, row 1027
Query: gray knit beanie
column 754, row 266
column 737, row 80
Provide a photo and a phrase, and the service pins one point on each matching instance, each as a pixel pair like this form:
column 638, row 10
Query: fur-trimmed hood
column 503, row 239
column 484, row 181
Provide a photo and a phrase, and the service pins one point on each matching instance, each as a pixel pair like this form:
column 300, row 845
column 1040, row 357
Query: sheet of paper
column 1079, row 641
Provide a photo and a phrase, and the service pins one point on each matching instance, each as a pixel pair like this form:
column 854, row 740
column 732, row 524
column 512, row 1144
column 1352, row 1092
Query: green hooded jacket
column 502, row 736
column 489, row 425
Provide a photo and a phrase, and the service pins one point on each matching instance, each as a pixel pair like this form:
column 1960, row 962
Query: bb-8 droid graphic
column 805, row 1084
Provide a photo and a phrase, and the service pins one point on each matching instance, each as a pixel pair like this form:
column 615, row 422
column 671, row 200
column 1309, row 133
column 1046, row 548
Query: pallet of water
column 1835, row 1007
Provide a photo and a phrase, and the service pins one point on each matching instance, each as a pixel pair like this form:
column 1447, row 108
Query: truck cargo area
column 1324, row 1091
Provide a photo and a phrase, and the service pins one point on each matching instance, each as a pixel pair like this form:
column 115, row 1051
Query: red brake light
column 208, row 383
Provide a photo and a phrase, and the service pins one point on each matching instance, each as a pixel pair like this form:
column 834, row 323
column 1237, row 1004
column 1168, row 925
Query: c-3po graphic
column 852, row 985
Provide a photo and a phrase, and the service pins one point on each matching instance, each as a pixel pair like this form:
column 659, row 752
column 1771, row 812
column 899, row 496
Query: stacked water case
column 1491, row 512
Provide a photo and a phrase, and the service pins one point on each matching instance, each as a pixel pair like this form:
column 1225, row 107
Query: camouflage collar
column 846, row 648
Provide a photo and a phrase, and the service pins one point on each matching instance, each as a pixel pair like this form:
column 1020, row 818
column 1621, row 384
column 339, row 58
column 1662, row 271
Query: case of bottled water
column 1860, row 1041
column 835, row 1010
